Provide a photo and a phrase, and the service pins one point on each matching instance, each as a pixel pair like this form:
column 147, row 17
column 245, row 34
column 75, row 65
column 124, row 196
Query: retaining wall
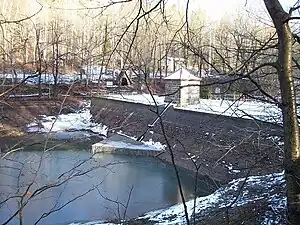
column 220, row 144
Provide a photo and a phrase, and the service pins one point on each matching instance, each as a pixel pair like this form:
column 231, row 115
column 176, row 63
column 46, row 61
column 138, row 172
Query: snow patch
column 150, row 142
column 26, row 95
column 95, row 223
column 145, row 99
column 157, row 145
column 224, row 197
column 277, row 140
column 245, row 109
column 80, row 120
column 123, row 145
column 230, row 168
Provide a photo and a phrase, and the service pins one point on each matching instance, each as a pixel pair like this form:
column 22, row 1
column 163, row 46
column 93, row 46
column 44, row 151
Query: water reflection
column 74, row 186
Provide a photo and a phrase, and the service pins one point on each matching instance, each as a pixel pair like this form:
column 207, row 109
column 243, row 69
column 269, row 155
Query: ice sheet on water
column 80, row 120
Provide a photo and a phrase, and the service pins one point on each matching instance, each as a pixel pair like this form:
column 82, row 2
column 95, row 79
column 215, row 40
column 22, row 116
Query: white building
column 182, row 88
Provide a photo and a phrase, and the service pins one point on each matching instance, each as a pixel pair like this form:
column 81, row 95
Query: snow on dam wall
column 209, row 136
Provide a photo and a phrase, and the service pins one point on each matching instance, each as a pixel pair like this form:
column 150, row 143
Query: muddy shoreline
column 17, row 113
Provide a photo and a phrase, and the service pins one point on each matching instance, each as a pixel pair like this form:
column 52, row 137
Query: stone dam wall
column 222, row 147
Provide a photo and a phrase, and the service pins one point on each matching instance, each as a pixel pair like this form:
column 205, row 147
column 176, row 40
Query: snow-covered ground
column 64, row 79
column 137, row 98
column 237, row 193
column 26, row 95
column 244, row 109
column 45, row 78
column 225, row 197
column 80, row 120
column 95, row 223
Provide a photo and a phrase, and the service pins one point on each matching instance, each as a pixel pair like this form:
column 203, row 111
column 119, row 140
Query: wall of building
column 183, row 96
column 172, row 86
column 189, row 95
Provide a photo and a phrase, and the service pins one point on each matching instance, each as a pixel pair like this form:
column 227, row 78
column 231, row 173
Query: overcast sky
column 216, row 9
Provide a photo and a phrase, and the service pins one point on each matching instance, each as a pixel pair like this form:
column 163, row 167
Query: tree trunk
column 289, row 108
column 56, row 71
column 39, row 63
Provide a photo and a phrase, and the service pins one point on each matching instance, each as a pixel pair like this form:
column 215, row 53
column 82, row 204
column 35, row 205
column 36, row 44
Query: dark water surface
column 69, row 186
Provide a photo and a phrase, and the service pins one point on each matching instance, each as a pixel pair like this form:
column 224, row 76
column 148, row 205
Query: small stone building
column 185, row 95
column 123, row 79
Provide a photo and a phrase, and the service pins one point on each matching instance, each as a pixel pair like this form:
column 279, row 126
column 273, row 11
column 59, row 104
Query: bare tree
column 150, row 34
column 283, row 67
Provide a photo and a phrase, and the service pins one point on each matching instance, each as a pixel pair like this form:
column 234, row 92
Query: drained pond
column 68, row 184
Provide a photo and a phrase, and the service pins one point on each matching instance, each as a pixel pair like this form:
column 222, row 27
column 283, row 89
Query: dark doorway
column 124, row 82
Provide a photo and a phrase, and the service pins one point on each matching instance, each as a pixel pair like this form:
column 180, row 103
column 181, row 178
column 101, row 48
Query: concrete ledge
column 124, row 145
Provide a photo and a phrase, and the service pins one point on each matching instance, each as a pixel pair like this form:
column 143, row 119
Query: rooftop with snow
column 182, row 74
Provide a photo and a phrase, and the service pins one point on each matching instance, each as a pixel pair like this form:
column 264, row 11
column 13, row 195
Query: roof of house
column 182, row 74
